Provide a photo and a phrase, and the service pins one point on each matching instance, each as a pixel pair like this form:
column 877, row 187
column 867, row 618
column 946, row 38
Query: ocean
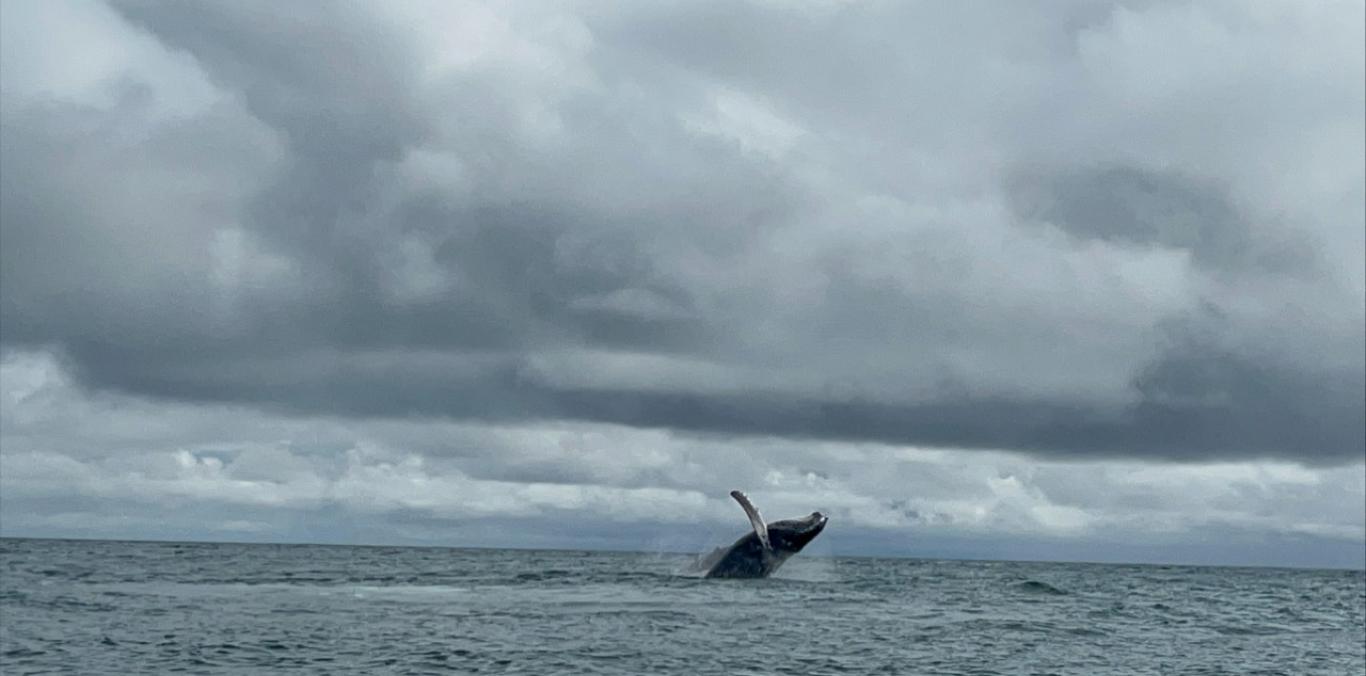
column 97, row 607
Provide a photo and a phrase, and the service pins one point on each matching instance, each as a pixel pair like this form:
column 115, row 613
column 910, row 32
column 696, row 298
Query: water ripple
column 196, row 608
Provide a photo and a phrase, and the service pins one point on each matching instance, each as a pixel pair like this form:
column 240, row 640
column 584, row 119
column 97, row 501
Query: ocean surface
column 135, row 607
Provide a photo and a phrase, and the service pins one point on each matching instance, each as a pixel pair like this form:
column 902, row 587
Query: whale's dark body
column 751, row 556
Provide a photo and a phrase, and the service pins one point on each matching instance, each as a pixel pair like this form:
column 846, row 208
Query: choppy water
column 121, row 607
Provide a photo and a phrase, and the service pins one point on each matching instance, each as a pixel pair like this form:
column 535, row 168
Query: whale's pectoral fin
column 760, row 528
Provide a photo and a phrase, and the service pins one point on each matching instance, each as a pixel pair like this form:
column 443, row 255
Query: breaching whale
column 759, row 553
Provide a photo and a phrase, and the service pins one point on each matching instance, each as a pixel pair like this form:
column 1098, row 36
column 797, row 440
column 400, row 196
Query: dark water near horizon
column 93, row 607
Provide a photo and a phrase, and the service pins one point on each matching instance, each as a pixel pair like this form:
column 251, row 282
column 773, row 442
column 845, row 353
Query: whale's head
column 791, row 535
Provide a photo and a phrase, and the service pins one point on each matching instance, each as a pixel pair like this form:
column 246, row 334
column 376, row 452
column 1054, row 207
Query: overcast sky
column 1047, row 280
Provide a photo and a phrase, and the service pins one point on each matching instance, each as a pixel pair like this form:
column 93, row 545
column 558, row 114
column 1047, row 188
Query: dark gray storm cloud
column 1074, row 230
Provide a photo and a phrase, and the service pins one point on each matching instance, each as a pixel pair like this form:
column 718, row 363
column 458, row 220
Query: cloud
column 1078, row 231
column 74, row 463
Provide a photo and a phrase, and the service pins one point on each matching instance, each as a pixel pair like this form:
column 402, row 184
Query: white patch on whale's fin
column 760, row 528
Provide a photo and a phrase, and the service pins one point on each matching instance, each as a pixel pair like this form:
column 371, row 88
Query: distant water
column 124, row 607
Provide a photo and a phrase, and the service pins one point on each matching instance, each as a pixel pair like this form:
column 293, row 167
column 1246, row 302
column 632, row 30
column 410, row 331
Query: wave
column 1036, row 587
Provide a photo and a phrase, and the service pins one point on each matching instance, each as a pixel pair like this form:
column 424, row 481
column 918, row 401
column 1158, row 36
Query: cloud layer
column 1076, row 230
column 113, row 466
column 1065, row 280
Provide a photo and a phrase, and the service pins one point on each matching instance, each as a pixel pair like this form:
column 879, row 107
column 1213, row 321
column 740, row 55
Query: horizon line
column 1361, row 569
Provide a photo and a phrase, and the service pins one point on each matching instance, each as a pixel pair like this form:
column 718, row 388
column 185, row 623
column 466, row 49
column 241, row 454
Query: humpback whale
column 759, row 553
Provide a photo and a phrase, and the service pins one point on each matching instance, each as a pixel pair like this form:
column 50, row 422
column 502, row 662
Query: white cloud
column 82, row 53
column 430, row 252
column 601, row 474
